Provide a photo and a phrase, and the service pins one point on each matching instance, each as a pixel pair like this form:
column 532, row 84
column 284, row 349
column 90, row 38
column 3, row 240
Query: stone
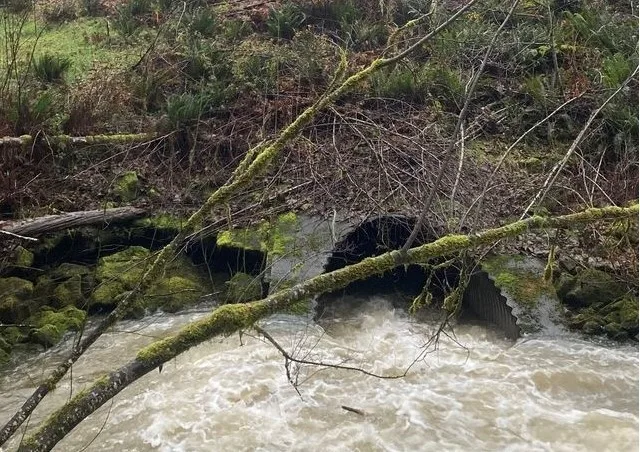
column 589, row 287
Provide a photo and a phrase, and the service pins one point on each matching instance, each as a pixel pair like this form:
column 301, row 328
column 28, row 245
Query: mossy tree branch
column 230, row 318
column 65, row 140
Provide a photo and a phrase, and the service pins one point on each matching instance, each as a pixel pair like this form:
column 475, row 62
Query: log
column 50, row 223
column 58, row 140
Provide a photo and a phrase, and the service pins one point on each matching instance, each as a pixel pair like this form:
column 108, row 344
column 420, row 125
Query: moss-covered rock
column 127, row 186
column 592, row 327
column 69, row 292
column 181, row 285
column 16, row 300
column 273, row 238
column 68, row 270
column 615, row 331
column 242, row 287
column 623, row 312
column 589, row 287
column 49, row 326
column 13, row 335
column 105, row 296
column 22, row 257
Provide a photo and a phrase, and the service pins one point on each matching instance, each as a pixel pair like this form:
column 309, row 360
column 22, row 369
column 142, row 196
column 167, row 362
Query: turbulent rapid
column 475, row 391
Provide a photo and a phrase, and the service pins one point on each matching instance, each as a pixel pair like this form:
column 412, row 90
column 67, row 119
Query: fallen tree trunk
column 50, row 223
column 230, row 318
column 58, row 140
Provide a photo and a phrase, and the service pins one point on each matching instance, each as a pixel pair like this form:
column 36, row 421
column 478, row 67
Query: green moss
column 127, row 186
column 106, row 295
column 16, row 300
column 174, row 293
column 13, row 335
column 4, row 357
column 50, row 326
column 22, row 257
column 15, row 286
column 590, row 287
column 240, row 238
column 163, row 221
column 68, row 270
column 69, row 292
column 242, row 287
column 275, row 238
column 521, row 283
column 126, row 266
column 181, row 283
column 623, row 312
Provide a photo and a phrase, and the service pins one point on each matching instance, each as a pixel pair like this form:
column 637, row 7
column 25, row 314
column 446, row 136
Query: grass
column 84, row 42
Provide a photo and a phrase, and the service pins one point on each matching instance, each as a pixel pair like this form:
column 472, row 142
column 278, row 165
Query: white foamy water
column 479, row 394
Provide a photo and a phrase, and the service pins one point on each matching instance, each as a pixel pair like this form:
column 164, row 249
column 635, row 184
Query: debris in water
column 353, row 410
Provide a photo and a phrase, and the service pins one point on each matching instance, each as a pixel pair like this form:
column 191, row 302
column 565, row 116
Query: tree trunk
column 50, row 223
column 61, row 140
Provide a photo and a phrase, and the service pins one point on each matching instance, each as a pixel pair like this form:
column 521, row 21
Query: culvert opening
column 373, row 237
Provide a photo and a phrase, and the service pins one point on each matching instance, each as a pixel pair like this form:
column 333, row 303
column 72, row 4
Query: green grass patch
column 84, row 42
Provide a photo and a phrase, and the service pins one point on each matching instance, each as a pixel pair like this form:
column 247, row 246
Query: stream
column 477, row 391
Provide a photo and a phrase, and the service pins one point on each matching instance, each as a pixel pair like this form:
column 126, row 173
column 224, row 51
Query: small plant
column 204, row 22
column 398, row 83
column 363, row 35
column 50, row 68
column 235, row 30
column 128, row 17
column 283, row 23
column 187, row 108
column 615, row 70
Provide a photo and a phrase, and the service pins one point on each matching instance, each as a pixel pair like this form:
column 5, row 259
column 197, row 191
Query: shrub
column 235, row 30
column 400, row 83
column 187, row 108
column 203, row 22
column 283, row 23
column 130, row 15
column 50, row 68
column 91, row 7
column 364, row 35
column 61, row 11
column 256, row 65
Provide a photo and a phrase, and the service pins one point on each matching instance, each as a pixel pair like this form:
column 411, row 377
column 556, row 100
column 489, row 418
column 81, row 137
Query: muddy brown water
column 478, row 392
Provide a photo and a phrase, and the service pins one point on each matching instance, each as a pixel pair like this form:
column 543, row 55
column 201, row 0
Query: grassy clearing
column 85, row 42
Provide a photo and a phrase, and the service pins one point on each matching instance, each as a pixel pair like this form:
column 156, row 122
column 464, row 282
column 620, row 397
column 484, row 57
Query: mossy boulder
column 13, row 335
column 181, row 285
column 589, row 287
column 49, row 326
column 68, row 270
column 22, row 257
column 16, row 300
column 69, row 292
column 127, row 186
column 623, row 312
column 243, row 287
